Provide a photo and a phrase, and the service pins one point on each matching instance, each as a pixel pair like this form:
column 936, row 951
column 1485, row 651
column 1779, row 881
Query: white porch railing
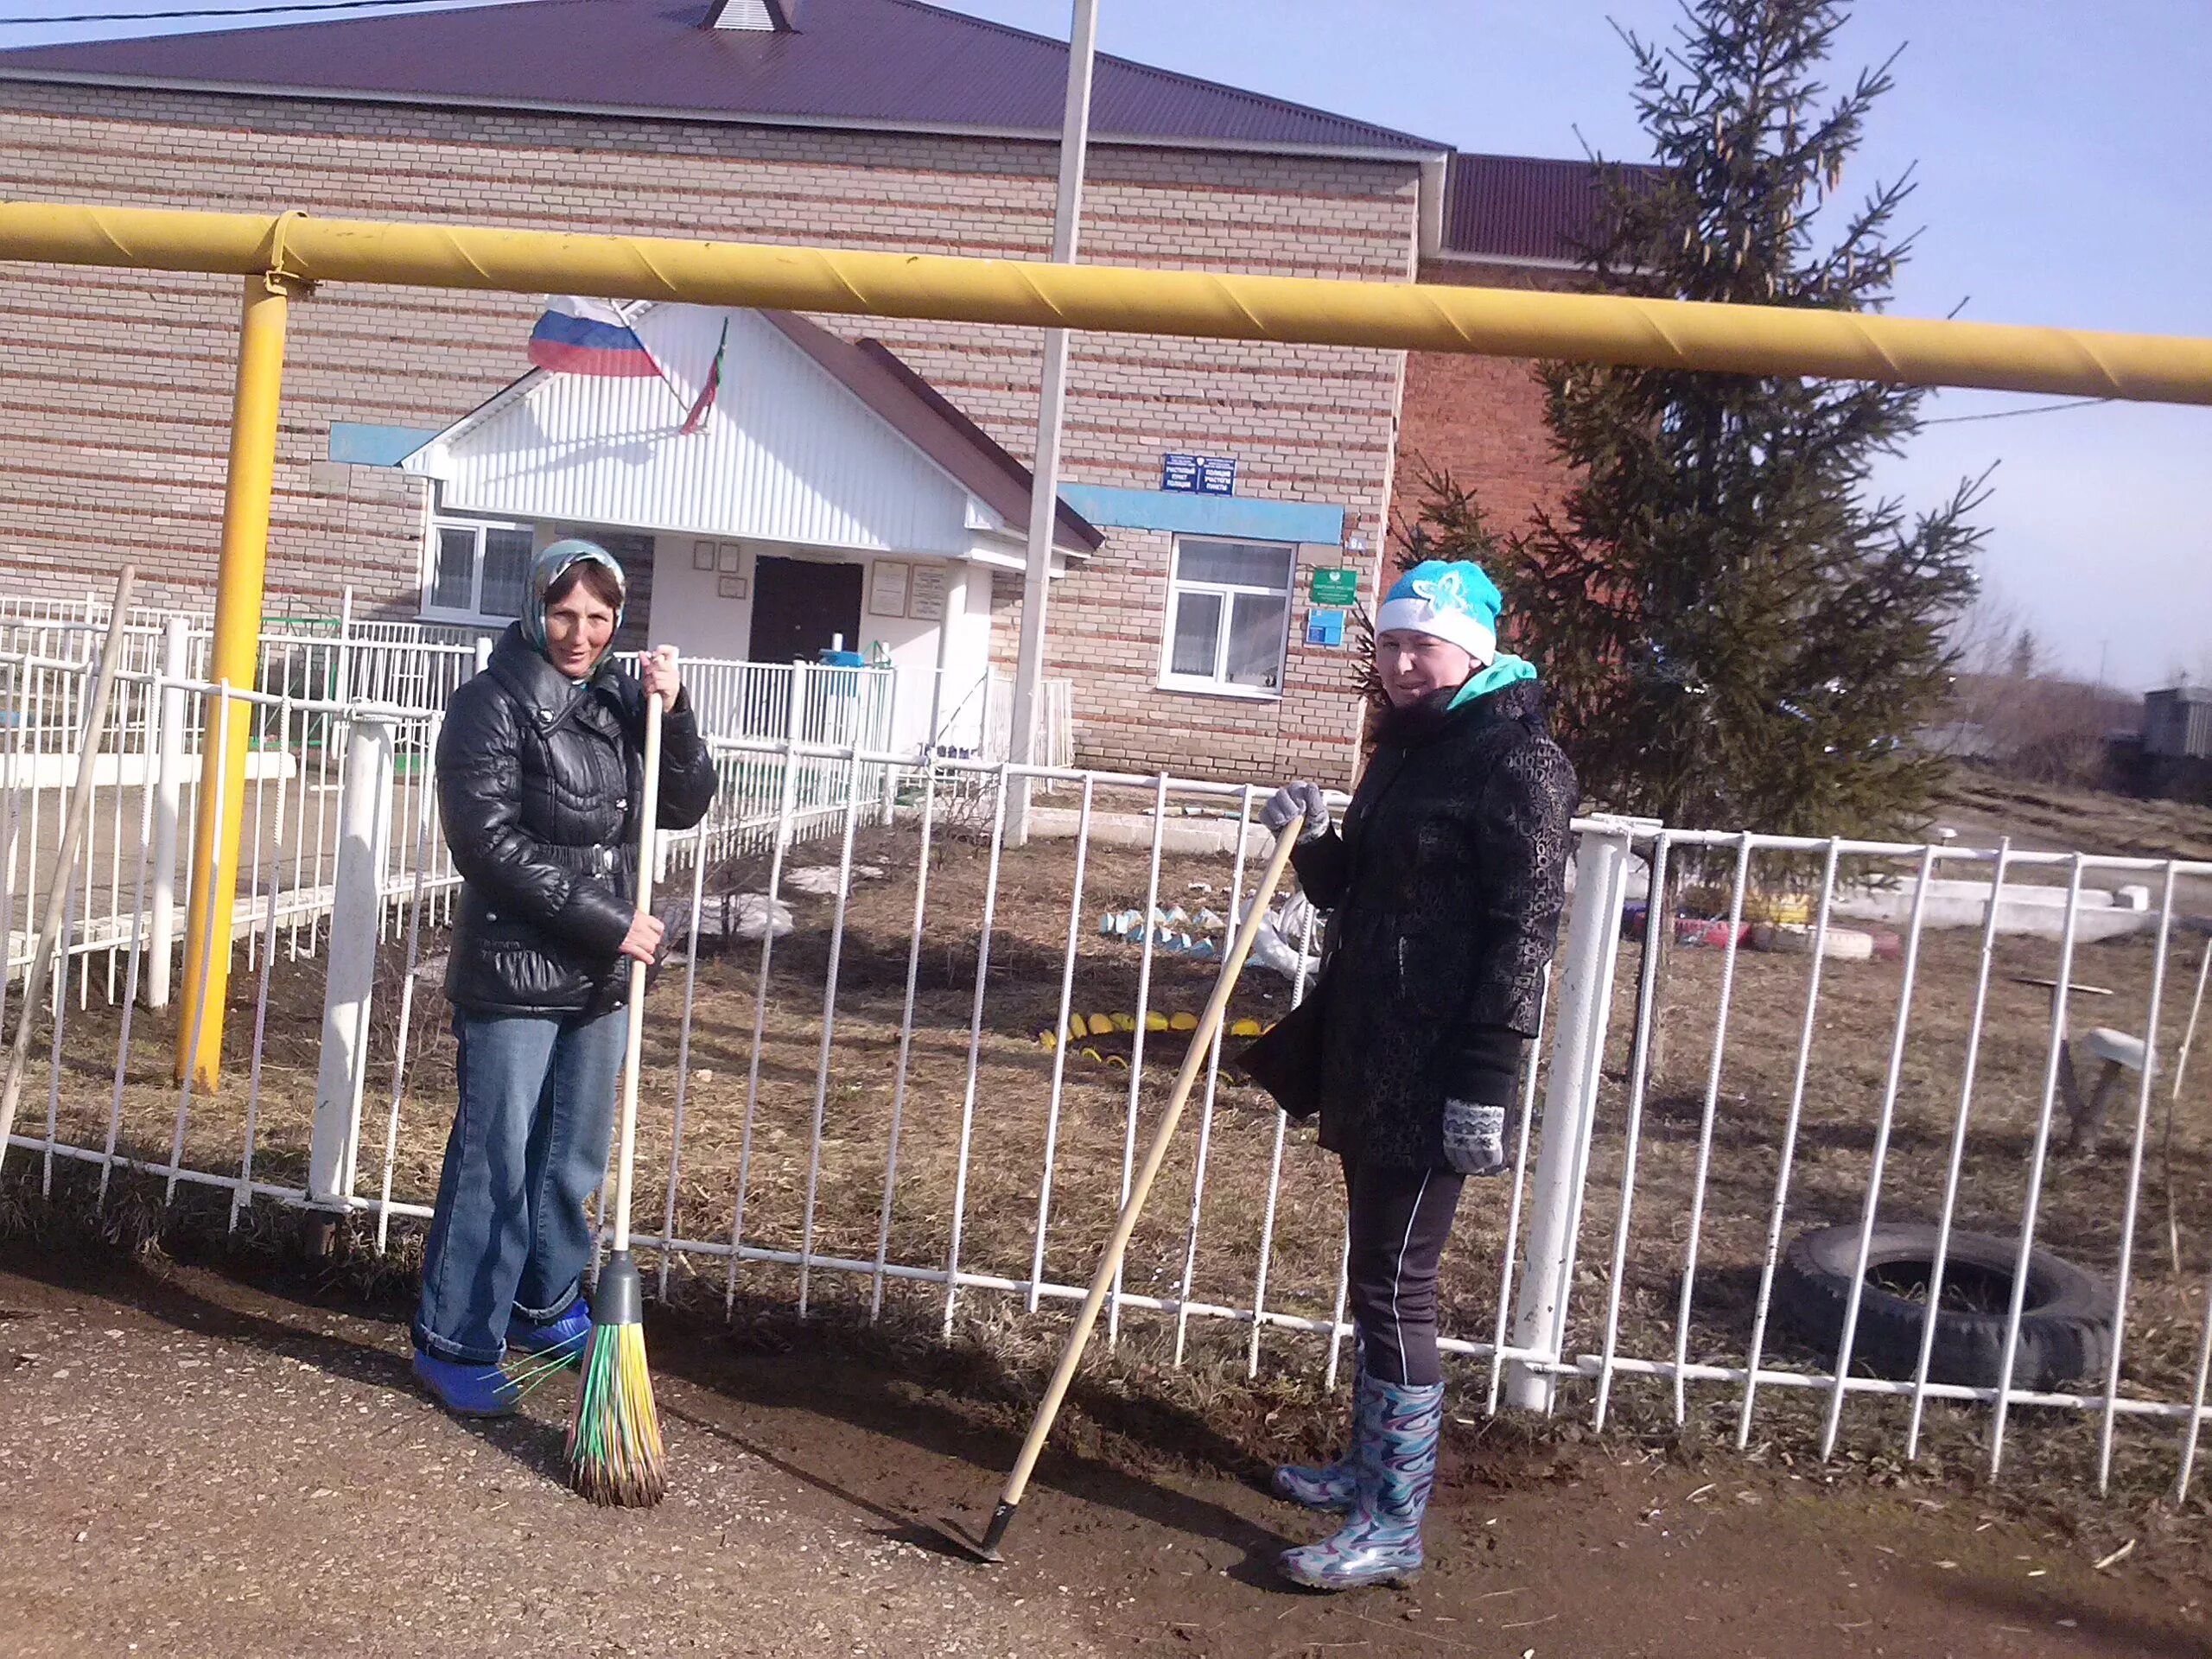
column 798, row 704
column 1055, row 721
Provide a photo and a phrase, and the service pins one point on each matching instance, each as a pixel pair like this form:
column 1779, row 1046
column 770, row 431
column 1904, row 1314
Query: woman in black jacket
column 541, row 771
column 1444, row 888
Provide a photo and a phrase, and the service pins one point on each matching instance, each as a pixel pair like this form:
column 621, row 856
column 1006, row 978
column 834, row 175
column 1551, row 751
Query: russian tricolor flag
column 586, row 336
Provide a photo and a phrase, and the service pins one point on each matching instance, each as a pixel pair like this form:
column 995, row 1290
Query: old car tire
column 2065, row 1322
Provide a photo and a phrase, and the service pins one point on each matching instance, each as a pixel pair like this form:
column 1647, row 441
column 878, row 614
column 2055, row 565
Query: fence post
column 341, row 660
column 356, row 902
column 483, row 652
column 882, row 734
column 796, row 734
column 168, row 792
column 1582, row 1008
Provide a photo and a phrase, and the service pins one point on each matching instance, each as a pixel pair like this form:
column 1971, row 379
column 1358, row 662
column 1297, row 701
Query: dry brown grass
column 2053, row 815
column 2082, row 1205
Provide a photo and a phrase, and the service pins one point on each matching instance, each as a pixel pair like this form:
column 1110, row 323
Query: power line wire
column 199, row 11
column 2010, row 414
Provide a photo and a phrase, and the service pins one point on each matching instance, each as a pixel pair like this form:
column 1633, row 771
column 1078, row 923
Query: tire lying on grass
column 2065, row 1322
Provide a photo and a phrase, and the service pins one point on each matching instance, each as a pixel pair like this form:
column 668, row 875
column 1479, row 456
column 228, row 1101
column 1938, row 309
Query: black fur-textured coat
column 1445, row 888
column 540, row 783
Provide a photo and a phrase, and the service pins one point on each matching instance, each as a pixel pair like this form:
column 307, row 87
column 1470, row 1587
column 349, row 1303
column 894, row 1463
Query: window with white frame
column 1227, row 617
column 476, row 569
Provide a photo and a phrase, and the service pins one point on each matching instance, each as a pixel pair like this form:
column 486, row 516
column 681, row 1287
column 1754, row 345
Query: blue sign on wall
column 1325, row 628
column 1199, row 474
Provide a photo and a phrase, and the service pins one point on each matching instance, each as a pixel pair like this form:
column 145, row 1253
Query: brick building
column 1508, row 221
column 1180, row 617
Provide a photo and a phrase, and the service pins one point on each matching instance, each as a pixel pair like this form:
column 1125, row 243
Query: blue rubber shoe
column 466, row 1390
column 1395, row 1440
column 560, row 1339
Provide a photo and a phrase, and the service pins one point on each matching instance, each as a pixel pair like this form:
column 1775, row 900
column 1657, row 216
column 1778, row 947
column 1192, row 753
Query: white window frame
column 1217, row 684
column 475, row 611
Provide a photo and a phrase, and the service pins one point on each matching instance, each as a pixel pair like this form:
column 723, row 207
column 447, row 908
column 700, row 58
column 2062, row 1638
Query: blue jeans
column 528, row 1148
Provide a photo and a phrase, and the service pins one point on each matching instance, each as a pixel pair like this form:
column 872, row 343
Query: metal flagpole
column 1043, row 502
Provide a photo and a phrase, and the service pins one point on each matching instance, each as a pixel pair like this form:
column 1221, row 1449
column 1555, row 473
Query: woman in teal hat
column 1444, row 888
column 541, row 772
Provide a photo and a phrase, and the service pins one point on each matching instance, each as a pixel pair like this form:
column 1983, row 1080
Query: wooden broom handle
column 1109, row 1264
column 61, row 878
column 648, row 816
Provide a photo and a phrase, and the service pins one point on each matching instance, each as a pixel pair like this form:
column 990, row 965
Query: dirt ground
column 199, row 1462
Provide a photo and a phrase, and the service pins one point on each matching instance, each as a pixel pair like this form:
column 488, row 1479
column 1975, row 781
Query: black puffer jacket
column 1445, row 887
column 540, row 781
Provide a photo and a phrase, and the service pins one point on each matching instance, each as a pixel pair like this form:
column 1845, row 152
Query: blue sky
column 2062, row 155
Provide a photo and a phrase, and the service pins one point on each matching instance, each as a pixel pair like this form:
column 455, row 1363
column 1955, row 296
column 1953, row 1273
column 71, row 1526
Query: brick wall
column 117, row 403
column 1104, row 633
column 1479, row 419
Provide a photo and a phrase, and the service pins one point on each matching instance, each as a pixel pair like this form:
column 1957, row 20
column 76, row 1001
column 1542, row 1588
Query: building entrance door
column 800, row 606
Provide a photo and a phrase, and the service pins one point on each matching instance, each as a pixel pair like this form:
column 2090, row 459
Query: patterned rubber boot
column 1333, row 1487
column 1395, row 1440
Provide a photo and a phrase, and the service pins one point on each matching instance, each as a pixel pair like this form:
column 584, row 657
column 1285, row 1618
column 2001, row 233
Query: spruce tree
column 1737, row 632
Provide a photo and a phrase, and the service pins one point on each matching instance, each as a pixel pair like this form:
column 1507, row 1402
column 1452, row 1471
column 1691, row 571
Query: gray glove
column 1292, row 802
column 1474, row 1138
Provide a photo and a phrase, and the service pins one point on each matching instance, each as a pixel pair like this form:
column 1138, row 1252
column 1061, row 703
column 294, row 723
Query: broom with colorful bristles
column 614, row 1447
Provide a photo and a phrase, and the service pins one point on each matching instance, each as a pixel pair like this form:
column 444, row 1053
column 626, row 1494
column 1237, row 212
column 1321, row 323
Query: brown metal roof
column 878, row 63
column 1523, row 207
column 922, row 415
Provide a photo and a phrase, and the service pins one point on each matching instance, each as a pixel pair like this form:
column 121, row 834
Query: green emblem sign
column 1338, row 587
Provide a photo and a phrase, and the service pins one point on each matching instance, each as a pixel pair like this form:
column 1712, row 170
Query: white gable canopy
column 813, row 441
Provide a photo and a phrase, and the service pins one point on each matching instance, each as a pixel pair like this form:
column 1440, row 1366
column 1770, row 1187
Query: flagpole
column 1045, row 490
column 654, row 361
column 624, row 313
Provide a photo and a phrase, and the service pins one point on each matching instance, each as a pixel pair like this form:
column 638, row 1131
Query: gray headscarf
column 548, row 568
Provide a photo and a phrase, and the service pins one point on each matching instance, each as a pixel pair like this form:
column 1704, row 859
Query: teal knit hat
column 1453, row 599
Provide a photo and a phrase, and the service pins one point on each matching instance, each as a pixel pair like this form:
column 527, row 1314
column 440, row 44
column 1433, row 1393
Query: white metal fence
column 148, row 764
column 418, row 665
column 309, row 673
column 889, row 1100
